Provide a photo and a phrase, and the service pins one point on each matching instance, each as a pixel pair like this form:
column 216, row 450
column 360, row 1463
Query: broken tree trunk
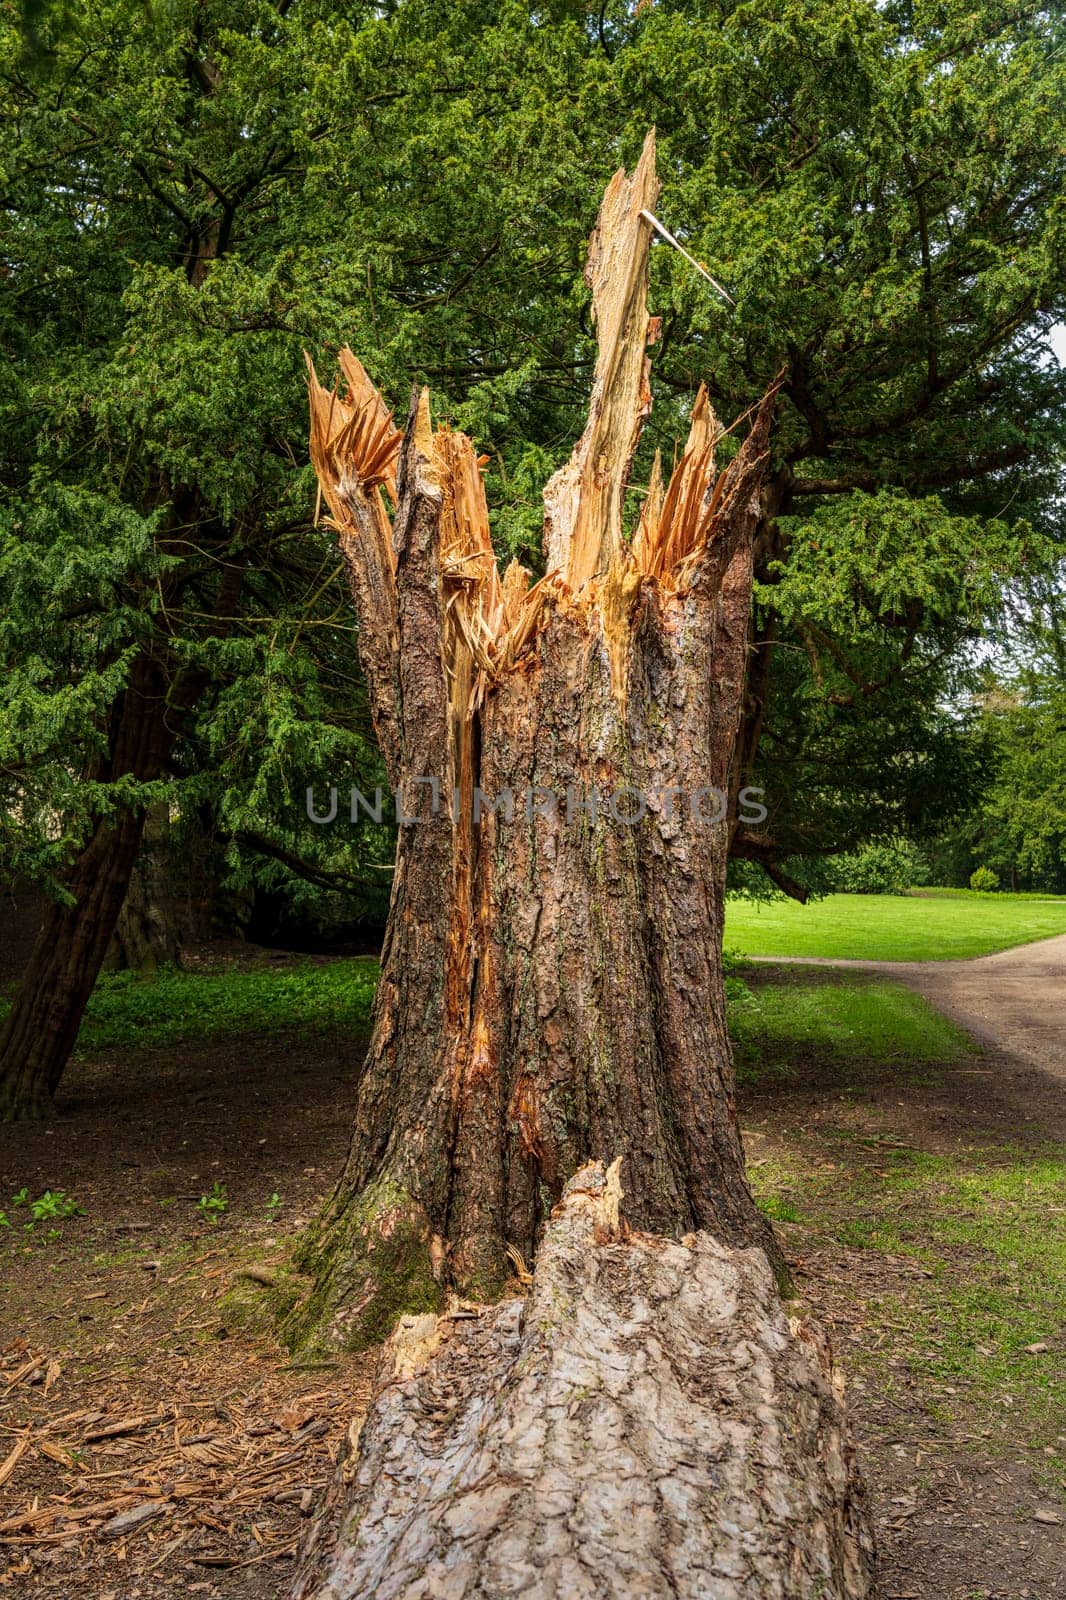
column 648, row 1423
column 551, row 986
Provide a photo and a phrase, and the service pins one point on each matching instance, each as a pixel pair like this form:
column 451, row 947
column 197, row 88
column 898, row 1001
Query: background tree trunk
column 147, row 933
column 647, row 1424
column 551, row 985
column 145, row 723
column 22, row 905
column 72, row 941
column 42, row 1025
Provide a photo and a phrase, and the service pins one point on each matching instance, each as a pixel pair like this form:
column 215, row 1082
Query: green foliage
column 889, row 867
column 57, row 1205
column 195, row 194
column 1017, row 828
column 1021, row 825
column 178, row 1007
column 213, row 1206
column 127, row 1012
column 984, row 880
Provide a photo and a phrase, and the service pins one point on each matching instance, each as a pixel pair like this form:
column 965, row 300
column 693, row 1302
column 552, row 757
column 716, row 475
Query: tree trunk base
column 368, row 1263
column 647, row 1423
column 26, row 1097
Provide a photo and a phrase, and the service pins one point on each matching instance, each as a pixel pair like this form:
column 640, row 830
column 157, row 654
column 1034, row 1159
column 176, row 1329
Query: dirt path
column 956, row 1491
column 1013, row 1003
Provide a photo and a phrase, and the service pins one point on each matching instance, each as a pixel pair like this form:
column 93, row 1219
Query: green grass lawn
column 872, row 1163
column 982, row 1329
column 875, row 927
column 125, row 1013
column 881, row 1022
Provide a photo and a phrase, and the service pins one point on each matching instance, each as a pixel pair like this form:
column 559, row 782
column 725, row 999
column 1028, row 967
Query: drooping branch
column 750, row 846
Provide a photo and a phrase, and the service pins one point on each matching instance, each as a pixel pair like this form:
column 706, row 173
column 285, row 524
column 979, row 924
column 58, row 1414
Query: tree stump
column 647, row 1423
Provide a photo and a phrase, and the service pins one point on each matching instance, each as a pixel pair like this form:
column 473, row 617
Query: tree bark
column 21, row 907
column 647, row 1424
column 147, row 932
column 551, row 987
column 42, row 1025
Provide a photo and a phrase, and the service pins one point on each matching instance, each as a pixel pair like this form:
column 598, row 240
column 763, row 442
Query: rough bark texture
column 147, row 934
column 73, row 940
column 551, row 986
column 22, row 906
column 648, row 1423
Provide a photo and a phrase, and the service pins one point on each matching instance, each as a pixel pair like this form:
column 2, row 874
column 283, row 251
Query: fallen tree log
column 646, row 1423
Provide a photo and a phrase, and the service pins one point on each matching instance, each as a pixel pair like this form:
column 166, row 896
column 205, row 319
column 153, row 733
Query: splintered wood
column 489, row 623
column 583, row 502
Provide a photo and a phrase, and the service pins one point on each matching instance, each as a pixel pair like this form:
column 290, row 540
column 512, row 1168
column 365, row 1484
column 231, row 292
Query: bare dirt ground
column 147, row 1448
column 151, row 1450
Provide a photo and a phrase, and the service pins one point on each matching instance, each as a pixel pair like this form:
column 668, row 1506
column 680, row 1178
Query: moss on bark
column 369, row 1265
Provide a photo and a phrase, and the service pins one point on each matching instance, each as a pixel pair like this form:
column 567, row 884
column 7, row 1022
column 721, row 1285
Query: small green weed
column 213, row 1205
column 52, row 1206
column 55, row 1205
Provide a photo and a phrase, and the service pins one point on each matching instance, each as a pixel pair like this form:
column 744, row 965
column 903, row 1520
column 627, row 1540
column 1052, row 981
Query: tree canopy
column 195, row 193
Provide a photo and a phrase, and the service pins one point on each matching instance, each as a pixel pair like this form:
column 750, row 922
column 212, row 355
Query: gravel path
column 1014, row 1001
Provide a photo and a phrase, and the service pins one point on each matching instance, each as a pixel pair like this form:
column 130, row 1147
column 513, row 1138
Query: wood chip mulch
column 217, row 1482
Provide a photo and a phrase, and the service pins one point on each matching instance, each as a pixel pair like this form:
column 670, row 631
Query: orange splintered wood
column 488, row 623
column 354, row 449
column 353, row 440
column 675, row 526
column 474, row 598
column 583, row 502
